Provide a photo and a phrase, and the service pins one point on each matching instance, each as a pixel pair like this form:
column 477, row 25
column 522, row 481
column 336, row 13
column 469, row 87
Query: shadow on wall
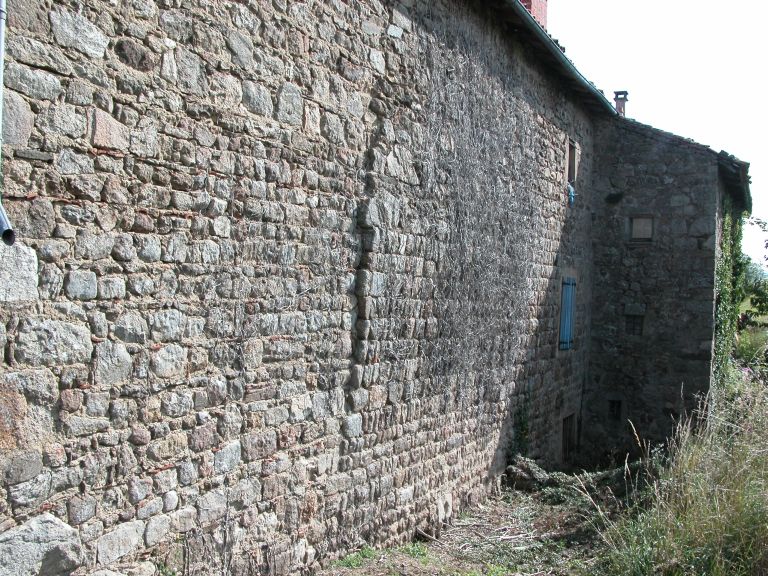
column 468, row 237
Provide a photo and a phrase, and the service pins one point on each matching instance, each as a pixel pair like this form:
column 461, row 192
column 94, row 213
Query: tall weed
column 708, row 511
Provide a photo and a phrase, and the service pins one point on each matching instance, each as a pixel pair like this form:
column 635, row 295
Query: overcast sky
column 693, row 67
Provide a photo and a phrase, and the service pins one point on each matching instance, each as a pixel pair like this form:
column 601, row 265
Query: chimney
column 538, row 9
column 621, row 98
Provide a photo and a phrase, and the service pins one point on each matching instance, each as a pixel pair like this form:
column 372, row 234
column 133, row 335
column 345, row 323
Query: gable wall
column 669, row 280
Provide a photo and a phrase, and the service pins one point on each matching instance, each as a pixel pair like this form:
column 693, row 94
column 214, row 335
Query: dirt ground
column 549, row 532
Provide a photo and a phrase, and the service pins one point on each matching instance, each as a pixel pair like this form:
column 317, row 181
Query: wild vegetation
column 706, row 509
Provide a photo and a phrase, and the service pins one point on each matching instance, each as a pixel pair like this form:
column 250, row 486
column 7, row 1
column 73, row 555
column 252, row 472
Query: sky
column 696, row 68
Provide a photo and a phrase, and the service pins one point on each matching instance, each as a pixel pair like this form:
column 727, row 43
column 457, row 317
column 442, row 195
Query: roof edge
column 554, row 49
column 735, row 175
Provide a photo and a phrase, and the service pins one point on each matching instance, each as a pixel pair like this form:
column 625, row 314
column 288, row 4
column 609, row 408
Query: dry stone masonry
column 289, row 275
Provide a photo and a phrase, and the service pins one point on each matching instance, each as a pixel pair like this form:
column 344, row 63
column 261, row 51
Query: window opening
column 570, row 187
column 633, row 324
column 567, row 306
column 614, row 410
column 569, row 437
column 641, row 228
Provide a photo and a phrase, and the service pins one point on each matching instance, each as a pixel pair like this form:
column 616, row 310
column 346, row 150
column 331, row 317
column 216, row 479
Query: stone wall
column 282, row 283
column 653, row 329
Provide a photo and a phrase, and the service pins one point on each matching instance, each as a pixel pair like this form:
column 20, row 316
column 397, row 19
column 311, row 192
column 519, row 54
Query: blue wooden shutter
column 567, row 305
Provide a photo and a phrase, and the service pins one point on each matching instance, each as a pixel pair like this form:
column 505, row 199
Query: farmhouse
column 293, row 275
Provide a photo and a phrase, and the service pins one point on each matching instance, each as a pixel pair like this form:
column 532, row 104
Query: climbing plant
column 730, row 286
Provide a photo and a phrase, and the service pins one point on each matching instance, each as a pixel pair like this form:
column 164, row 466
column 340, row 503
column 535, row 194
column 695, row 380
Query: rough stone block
column 42, row 545
column 81, row 285
column 38, row 386
column 401, row 19
column 170, row 501
column 72, row 163
column 191, row 72
column 187, row 473
column 253, row 350
column 245, row 493
column 135, row 55
column 377, row 60
column 111, row 288
column 31, row 493
column 148, row 508
column 169, row 362
column 23, row 467
column 38, row 55
column 290, row 104
column 90, row 246
column 113, row 364
column 52, row 343
column 157, row 529
column 18, row 120
column 177, row 404
column 212, row 506
column 359, row 399
column 97, row 403
column 168, row 325
column 74, row 31
column 138, row 489
column 257, row 98
column 81, row 509
column 108, row 133
column 241, row 47
column 184, row 519
column 228, row 458
column 121, row 541
column 131, row 327
column 171, row 446
column 81, row 426
column 168, row 67
column 33, row 83
column 144, row 138
column 18, row 274
column 259, row 445
column 62, row 119
column 276, row 416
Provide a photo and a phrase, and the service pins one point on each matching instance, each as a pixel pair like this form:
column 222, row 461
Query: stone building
column 290, row 276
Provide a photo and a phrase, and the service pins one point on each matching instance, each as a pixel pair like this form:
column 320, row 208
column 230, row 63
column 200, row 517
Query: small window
column 633, row 324
column 570, row 186
column 572, row 153
column 567, row 306
column 569, row 437
column 641, row 228
column 614, row 410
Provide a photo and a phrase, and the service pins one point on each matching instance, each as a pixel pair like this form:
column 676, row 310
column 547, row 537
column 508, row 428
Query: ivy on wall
column 730, row 286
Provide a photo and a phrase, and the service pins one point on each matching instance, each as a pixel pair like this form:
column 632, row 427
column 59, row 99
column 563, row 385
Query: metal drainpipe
column 6, row 230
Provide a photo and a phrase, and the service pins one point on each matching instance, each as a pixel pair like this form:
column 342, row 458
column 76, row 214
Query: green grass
column 708, row 512
column 416, row 550
column 751, row 345
column 356, row 559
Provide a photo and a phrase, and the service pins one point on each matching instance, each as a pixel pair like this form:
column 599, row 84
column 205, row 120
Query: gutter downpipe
column 6, row 230
column 555, row 50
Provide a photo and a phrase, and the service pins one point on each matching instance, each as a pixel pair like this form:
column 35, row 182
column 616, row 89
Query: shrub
column 751, row 345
